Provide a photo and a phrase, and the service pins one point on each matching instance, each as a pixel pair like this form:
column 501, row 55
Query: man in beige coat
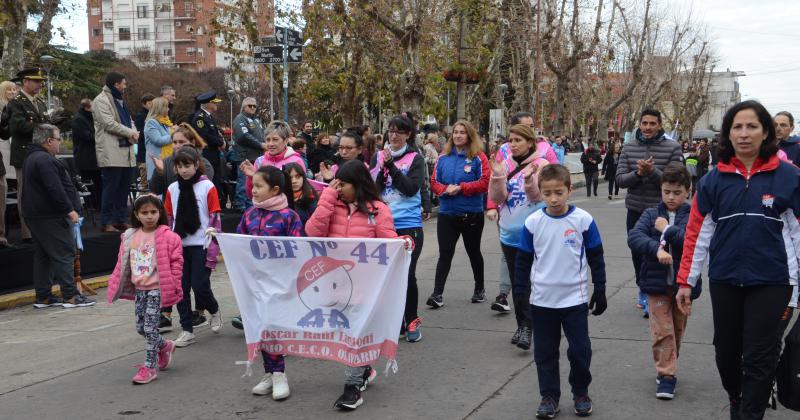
column 115, row 137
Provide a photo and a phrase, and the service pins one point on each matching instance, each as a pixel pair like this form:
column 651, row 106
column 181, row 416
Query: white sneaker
column 280, row 386
column 216, row 321
column 265, row 386
column 184, row 339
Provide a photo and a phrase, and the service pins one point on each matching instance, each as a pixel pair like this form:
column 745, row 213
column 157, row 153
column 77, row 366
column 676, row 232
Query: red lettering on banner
column 334, row 351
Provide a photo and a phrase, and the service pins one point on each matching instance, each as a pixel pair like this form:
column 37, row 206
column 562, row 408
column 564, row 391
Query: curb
column 27, row 297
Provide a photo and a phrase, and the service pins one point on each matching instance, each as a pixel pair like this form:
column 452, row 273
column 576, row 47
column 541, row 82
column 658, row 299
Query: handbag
column 788, row 373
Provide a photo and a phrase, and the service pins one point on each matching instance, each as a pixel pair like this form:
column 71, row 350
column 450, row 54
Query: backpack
column 788, row 372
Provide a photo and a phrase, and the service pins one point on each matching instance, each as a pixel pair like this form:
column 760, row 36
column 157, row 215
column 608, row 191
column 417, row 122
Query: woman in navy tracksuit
column 460, row 180
column 744, row 218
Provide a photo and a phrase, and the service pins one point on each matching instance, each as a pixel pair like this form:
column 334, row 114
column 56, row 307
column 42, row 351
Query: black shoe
column 350, row 398
column 78, row 301
column 501, row 304
column 164, row 324
column 237, row 322
column 516, row 336
column 435, row 301
column 198, row 320
column 27, row 241
column 524, row 338
column 46, row 303
column 479, row 296
column 609, row 197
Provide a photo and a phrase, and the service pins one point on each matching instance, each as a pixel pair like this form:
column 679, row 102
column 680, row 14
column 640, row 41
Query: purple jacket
column 260, row 222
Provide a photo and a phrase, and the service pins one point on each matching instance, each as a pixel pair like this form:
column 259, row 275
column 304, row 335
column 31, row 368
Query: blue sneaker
column 414, row 331
column 548, row 408
column 583, row 406
column 643, row 305
column 666, row 387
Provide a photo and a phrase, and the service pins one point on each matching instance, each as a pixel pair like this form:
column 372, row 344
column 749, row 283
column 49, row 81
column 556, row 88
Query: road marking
column 615, row 202
column 39, row 340
column 102, row 327
column 9, row 321
column 580, row 200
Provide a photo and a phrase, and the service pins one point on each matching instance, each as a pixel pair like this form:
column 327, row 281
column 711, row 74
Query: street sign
column 295, row 37
column 295, row 54
column 268, row 55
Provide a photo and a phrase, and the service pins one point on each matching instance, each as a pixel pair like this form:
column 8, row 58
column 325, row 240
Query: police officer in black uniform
column 203, row 122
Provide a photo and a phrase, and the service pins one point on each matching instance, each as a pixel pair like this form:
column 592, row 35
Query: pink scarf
column 274, row 203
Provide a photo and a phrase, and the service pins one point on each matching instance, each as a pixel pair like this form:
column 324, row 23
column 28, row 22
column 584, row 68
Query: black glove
column 598, row 302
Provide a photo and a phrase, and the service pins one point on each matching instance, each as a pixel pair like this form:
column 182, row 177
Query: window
column 177, row 24
column 166, row 52
column 108, row 25
column 188, row 8
column 199, row 52
column 142, row 32
column 95, row 11
column 124, row 34
column 141, row 11
column 95, row 31
column 163, row 7
column 190, row 51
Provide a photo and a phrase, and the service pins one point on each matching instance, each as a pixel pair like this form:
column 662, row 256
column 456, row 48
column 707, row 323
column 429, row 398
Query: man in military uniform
column 26, row 111
column 203, row 122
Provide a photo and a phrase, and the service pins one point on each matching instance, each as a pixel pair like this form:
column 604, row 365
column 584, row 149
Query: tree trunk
column 13, row 37
column 49, row 9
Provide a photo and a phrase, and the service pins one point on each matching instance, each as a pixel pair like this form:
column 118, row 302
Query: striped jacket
column 746, row 224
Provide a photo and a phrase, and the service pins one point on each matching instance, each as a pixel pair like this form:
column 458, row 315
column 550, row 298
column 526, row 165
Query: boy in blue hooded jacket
column 658, row 237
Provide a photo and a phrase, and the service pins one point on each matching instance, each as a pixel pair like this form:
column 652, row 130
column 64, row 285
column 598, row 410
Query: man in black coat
column 84, row 150
column 50, row 204
column 141, row 152
column 590, row 160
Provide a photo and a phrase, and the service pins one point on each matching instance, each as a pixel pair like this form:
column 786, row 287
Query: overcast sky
column 758, row 38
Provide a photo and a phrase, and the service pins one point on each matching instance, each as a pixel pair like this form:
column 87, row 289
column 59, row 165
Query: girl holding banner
column 350, row 207
column 271, row 216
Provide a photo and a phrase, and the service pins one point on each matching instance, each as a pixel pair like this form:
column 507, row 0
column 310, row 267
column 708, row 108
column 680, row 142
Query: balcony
column 185, row 16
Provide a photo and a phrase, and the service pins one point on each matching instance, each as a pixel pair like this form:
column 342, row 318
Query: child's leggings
column 148, row 314
column 273, row 362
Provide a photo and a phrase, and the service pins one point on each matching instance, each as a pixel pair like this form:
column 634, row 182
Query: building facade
column 723, row 93
column 171, row 33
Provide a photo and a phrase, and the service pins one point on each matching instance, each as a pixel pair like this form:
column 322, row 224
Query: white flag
column 323, row 298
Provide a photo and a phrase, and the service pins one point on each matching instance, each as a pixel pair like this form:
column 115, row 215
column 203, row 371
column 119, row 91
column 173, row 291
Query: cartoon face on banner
column 325, row 283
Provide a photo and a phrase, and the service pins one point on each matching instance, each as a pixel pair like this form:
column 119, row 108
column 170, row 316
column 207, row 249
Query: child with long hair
column 192, row 206
column 148, row 271
column 350, row 207
column 303, row 193
column 271, row 215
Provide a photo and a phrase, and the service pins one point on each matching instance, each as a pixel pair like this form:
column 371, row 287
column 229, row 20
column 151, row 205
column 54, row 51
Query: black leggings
column 520, row 290
column 592, row 179
column 612, row 185
column 746, row 323
column 448, row 229
column 412, row 293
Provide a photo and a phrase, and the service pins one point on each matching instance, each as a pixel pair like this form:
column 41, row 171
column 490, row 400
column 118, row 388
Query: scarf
column 166, row 150
column 521, row 159
column 122, row 109
column 274, row 160
column 187, row 218
column 274, row 203
column 640, row 137
column 298, row 195
column 398, row 153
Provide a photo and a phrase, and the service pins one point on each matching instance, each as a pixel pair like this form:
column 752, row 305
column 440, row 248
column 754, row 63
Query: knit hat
column 316, row 268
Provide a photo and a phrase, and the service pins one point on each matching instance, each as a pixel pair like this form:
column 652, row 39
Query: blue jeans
column 116, row 186
column 241, row 201
column 547, row 324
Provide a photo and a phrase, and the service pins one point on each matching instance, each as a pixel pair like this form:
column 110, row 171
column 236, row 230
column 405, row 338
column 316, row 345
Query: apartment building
column 172, row 33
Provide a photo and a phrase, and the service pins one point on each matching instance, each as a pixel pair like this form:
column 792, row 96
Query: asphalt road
column 78, row 364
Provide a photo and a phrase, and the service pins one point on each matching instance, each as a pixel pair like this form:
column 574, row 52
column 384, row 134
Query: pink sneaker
column 165, row 354
column 145, row 375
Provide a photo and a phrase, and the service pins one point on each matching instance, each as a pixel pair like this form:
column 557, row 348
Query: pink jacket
column 333, row 219
column 169, row 262
column 288, row 156
column 544, row 149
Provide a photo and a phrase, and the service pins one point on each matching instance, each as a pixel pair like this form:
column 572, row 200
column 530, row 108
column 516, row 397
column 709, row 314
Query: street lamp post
column 47, row 62
column 231, row 97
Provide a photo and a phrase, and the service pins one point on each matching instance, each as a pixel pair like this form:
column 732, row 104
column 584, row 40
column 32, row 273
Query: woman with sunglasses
column 351, row 146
